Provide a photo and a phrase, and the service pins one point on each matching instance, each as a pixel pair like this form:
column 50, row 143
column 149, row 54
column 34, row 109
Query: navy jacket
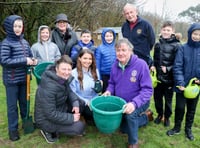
column 187, row 61
column 14, row 51
column 142, row 37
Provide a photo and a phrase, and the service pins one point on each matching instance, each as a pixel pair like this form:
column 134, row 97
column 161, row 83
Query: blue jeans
column 14, row 93
column 131, row 123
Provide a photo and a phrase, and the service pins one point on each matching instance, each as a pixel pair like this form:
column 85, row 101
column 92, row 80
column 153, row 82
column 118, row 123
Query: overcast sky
column 172, row 6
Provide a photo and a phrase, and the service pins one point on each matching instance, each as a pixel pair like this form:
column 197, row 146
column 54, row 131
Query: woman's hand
column 75, row 110
column 129, row 108
column 76, row 116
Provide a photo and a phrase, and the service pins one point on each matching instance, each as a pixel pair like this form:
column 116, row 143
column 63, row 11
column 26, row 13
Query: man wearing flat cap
column 63, row 35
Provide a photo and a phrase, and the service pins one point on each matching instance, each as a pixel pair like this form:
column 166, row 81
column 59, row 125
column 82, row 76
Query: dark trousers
column 163, row 94
column 181, row 103
column 105, row 79
column 14, row 93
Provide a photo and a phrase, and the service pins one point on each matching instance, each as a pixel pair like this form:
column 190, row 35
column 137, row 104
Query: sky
column 173, row 7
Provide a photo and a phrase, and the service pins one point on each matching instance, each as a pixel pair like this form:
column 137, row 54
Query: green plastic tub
column 39, row 69
column 107, row 113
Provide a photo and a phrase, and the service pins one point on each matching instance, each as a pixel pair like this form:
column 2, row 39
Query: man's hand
column 129, row 108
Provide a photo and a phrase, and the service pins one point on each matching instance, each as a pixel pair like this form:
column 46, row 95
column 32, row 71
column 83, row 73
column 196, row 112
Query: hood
column 41, row 27
column 103, row 36
column 8, row 26
column 190, row 42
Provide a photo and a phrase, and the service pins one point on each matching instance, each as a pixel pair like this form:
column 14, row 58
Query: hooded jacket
column 53, row 99
column 105, row 53
column 14, row 52
column 187, row 61
column 45, row 51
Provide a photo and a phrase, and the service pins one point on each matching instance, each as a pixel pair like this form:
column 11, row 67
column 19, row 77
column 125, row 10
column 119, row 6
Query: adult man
column 139, row 32
column 130, row 80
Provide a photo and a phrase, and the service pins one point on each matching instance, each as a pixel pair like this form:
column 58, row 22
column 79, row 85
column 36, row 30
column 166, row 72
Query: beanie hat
column 61, row 17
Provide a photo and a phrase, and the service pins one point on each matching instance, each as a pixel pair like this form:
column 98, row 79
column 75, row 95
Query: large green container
column 39, row 69
column 107, row 112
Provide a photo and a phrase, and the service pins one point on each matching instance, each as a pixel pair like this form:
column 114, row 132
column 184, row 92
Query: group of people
column 123, row 68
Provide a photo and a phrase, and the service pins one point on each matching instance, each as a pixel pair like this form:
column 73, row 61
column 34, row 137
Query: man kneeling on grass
column 56, row 106
column 130, row 80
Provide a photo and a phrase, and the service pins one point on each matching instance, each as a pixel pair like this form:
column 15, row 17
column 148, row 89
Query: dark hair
column 92, row 67
column 64, row 59
column 168, row 23
column 86, row 31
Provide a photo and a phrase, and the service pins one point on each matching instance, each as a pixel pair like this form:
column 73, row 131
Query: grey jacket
column 45, row 51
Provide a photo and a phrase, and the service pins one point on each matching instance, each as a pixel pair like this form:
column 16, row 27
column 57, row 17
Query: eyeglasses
column 61, row 22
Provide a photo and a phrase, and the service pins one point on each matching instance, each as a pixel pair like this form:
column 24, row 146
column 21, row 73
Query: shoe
column 149, row 114
column 14, row 135
column 133, row 146
column 48, row 137
column 189, row 135
column 158, row 119
column 166, row 122
column 173, row 131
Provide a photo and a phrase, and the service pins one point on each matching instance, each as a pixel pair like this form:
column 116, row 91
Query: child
column 105, row 55
column 164, row 55
column 45, row 50
column 15, row 56
column 85, row 41
column 186, row 67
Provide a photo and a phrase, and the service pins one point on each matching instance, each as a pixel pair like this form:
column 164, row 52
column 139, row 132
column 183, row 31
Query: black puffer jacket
column 53, row 98
column 164, row 55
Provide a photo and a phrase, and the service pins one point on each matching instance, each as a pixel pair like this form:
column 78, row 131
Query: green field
column 150, row 136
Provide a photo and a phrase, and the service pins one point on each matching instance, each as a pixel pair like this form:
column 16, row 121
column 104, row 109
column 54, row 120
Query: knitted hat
column 61, row 17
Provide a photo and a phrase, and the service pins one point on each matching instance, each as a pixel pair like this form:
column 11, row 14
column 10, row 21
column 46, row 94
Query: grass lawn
column 150, row 136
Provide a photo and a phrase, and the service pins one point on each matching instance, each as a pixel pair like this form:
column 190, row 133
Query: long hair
column 92, row 66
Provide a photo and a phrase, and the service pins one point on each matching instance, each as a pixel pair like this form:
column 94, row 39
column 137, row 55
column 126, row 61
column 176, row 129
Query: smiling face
column 109, row 37
column 86, row 61
column 62, row 26
column 64, row 70
column 123, row 53
column 130, row 13
column 166, row 32
column 86, row 38
column 44, row 34
column 18, row 27
column 196, row 35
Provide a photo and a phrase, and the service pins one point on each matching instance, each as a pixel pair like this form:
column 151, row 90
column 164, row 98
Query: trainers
column 173, row 131
column 158, row 119
column 48, row 137
column 189, row 135
column 14, row 135
column 166, row 122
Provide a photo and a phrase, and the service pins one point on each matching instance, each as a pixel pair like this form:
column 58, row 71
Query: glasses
column 62, row 22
